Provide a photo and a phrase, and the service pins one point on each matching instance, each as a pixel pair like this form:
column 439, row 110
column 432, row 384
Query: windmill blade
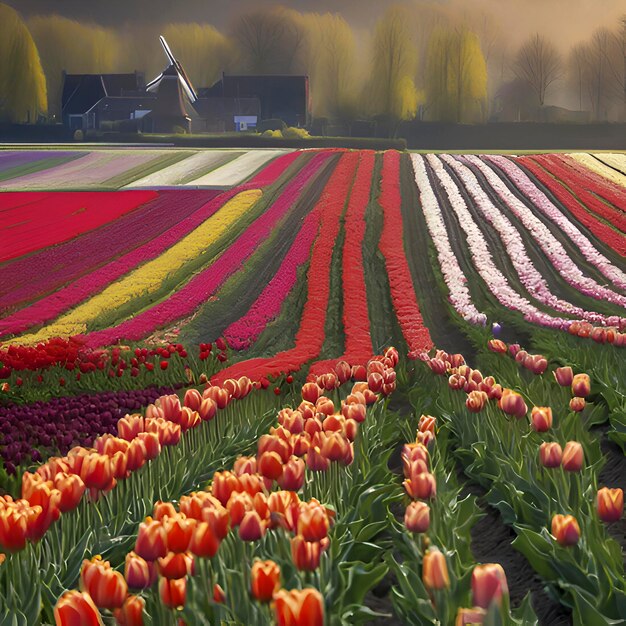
column 168, row 52
column 154, row 83
column 186, row 83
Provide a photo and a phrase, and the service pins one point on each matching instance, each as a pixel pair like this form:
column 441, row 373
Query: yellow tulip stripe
column 599, row 168
column 147, row 278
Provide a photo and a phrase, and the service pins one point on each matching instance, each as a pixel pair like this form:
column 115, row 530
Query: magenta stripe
column 199, row 288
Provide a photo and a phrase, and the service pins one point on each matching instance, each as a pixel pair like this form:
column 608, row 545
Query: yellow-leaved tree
column 391, row 88
column 77, row 48
column 22, row 81
column 456, row 77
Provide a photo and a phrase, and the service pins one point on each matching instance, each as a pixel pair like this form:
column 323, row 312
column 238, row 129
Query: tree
column 539, row 64
column 456, row 76
column 22, row 81
column 393, row 67
column 331, row 65
column 268, row 41
column 76, row 48
column 202, row 50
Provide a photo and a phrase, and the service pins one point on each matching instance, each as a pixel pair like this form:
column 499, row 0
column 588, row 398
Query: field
column 399, row 377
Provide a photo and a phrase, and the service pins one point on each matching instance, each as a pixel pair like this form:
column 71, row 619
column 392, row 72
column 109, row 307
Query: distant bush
column 276, row 134
column 271, row 124
column 295, row 133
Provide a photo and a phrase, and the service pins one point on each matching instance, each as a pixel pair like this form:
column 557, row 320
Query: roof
column 212, row 108
column 82, row 91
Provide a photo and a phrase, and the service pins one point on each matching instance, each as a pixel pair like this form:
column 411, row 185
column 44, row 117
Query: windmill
column 168, row 112
column 173, row 69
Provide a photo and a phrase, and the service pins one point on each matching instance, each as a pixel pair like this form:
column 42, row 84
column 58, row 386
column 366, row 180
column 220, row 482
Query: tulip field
column 312, row 387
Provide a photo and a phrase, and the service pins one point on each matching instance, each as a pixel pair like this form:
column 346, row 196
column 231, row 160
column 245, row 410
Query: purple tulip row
column 28, row 433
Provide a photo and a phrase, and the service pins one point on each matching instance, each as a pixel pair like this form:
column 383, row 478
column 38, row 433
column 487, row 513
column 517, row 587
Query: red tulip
column 173, row 592
column 297, row 607
column 550, row 454
column 577, row 404
column 422, row 486
column 476, row 401
column 313, row 522
column 151, row 542
column 74, row 608
column 139, row 574
column 107, row 588
column 417, row 517
column 541, row 418
column 131, row 613
column 513, row 404
column 573, row 457
column 306, row 555
column 292, row 478
column 581, row 385
column 252, row 527
column 435, row 570
column 564, row 376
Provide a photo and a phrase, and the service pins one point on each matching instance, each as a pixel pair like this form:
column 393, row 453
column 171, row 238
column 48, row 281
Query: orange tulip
column 130, row 426
column 422, row 486
column 541, row 418
column 14, row 525
column 581, row 385
column 435, row 570
column 497, row 345
column 173, row 592
column 74, row 608
column 417, row 517
column 138, row 572
column 564, row 376
column 107, row 588
column 488, row 585
column 476, row 401
column 316, row 461
column 238, row 505
column 306, row 555
column 204, row 543
column 610, row 504
column 178, row 531
column 573, row 457
column 577, row 404
column 550, row 454
column 265, row 580
column 311, row 392
column 313, row 522
column 224, row 483
column 96, row 471
column 151, row 542
column 151, row 444
column 131, row 613
column 299, row 607
column 465, row 617
column 175, row 565
column 565, row 529
column 275, row 443
column 270, row 465
column 219, row 595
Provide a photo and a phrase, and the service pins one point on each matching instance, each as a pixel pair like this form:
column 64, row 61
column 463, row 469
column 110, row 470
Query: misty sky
column 565, row 21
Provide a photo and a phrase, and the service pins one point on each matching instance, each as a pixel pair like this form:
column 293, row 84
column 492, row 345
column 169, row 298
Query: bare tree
column 539, row 64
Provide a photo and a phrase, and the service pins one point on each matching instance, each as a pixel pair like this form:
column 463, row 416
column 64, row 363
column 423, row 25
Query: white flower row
column 541, row 201
column 516, row 249
column 483, row 261
column 455, row 280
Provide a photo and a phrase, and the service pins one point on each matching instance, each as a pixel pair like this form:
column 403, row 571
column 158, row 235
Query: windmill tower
column 168, row 113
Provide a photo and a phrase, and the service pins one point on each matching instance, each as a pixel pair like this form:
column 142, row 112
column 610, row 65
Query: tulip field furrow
column 203, row 419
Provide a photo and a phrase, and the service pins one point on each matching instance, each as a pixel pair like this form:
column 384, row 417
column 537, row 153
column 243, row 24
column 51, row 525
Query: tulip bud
column 417, row 517
column 581, row 385
column 573, row 457
column 139, row 574
column 488, row 585
column 292, row 478
column 465, row 617
column 435, row 570
column 564, row 376
column 252, row 528
column 565, row 530
column 313, row 522
column 422, row 486
column 476, row 401
column 610, row 504
column 265, row 580
column 513, row 404
column 541, row 418
column 577, row 404
column 173, row 592
column 131, row 613
column 151, row 540
column 219, row 595
column 74, row 607
column 496, row 345
column 107, row 588
column 550, row 454
column 306, row 555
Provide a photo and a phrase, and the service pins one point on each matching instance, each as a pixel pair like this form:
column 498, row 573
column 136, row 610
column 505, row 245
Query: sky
column 565, row 21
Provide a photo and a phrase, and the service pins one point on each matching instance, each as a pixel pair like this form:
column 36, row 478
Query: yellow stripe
column 147, row 278
column 599, row 168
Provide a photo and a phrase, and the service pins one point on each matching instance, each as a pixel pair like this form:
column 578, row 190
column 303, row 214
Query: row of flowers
column 175, row 545
column 546, row 207
column 551, row 246
column 87, row 264
column 611, row 237
column 483, row 260
column 310, row 335
column 391, row 245
column 596, row 195
column 200, row 287
column 558, row 488
column 31, row 221
column 600, row 164
column 456, row 281
column 528, row 274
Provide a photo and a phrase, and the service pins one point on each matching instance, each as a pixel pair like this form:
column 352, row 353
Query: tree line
column 428, row 63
